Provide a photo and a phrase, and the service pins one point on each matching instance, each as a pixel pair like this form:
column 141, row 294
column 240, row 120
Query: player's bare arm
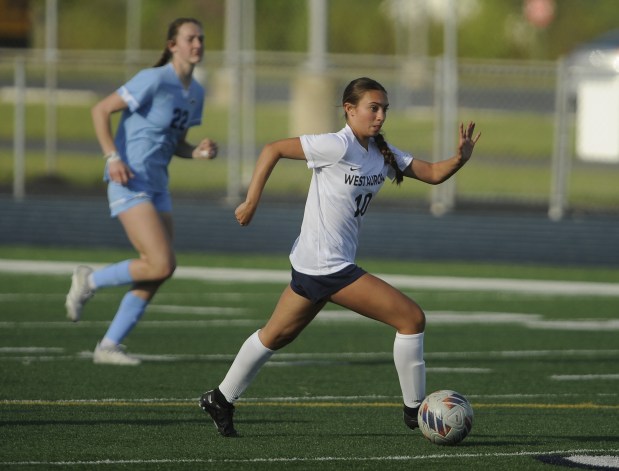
column 435, row 173
column 101, row 118
column 267, row 160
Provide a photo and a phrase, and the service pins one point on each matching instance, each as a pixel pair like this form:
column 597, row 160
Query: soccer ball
column 445, row 417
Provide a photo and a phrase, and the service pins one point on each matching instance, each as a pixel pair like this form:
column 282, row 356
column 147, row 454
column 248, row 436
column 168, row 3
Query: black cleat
column 410, row 417
column 220, row 410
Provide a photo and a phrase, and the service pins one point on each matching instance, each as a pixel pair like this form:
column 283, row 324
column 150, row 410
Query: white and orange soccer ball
column 445, row 417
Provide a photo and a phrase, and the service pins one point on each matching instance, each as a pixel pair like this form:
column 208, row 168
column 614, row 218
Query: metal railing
column 526, row 112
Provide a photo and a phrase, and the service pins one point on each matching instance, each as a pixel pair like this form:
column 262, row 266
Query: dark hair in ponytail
column 389, row 157
column 353, row 94
column 172, row 33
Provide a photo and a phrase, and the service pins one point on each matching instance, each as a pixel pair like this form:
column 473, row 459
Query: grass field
column 540, row 369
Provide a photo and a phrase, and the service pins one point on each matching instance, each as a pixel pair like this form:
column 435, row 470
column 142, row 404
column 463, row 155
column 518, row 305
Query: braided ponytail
column 389, row 157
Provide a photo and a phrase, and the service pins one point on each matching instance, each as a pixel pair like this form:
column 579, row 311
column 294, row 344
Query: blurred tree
column 80, row 24
column 486, row 35
column 580, row 21
column 360, row 26
column 496, row 30
column 157, row 15
column 281, row 25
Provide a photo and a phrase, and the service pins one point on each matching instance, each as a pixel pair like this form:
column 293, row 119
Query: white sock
column 411, row 367
column 245, row 367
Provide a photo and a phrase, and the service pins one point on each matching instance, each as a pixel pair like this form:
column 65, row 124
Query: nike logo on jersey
column 354, row 169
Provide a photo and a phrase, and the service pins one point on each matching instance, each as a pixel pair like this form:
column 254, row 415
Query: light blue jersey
column 160, row 110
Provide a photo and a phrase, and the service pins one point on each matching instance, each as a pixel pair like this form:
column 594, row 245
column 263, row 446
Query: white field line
column 239, row 275
column 212, row 297
column 329, row 459
column 31, row 350
column 301, row 400
column 198, row 310
column 589, row 377
column 603, row 462
column 531, row 321
column 26, row 354
column 282, row 356
column 143, row 323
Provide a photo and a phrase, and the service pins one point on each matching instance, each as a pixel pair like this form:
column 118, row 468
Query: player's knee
column 280, row 340
column 414, row 321
column 168, row 270
column 163, row 269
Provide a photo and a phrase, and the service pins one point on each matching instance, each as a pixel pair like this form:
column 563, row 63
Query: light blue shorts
column 121, row 198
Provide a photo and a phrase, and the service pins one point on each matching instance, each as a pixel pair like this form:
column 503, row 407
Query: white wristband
column 112, row 156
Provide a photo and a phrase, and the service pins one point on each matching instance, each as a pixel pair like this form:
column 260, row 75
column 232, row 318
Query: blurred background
column 539, row 77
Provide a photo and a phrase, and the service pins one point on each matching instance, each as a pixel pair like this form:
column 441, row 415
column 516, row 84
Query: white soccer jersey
column 345, row 179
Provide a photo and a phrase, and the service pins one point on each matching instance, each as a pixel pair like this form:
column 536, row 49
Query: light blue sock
column 129, row 312
column 112, row 275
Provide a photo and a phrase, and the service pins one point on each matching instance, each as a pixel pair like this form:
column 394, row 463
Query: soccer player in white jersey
column 158, row 105
column 349, row 167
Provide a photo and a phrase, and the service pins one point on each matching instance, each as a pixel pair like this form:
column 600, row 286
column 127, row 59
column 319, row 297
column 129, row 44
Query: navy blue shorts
column 318, row 288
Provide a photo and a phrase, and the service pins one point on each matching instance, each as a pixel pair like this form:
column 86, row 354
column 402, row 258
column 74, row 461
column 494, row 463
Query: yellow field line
column 585, row 405
column 104, row 403
column 582, row 405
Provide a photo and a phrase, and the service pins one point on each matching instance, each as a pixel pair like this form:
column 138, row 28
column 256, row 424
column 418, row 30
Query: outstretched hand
column 467, row 143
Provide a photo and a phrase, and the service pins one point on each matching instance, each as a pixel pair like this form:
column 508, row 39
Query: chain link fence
column 528, row 113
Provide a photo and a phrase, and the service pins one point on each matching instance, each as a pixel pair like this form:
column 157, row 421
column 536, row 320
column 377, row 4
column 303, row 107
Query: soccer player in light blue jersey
column 348, row 169
column 158, row 106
